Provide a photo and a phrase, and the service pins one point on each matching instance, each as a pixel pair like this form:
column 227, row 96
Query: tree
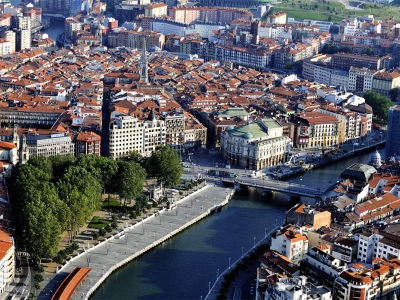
column 380, row 105
column 288, row 67
column 32, row 295
column 131, row 178
column 329, row 18
column 40, row 269
column 37, row 286
column 368, row 51
column 95, row 236
column 108, row 228
column 58, row 259
column 42, row 230
column 348, row 49
column 102, row 232
column 38, row 277
column 394, row 94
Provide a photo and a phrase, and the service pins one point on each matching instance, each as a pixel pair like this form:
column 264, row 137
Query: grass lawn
column 318, row 10
column 98, row 223
column 113, row 202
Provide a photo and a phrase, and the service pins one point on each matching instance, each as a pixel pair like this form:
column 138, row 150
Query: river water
column 182, row 267
column 56, row 25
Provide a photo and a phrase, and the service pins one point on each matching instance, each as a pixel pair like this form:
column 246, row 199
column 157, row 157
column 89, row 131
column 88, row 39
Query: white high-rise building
column 128, row 133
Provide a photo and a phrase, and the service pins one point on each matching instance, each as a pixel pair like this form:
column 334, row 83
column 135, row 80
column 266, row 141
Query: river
column 182, row 267
column 56, row 25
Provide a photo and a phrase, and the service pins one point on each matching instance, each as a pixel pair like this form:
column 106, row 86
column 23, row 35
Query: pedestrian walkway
column 135, row 240
column 214, row 291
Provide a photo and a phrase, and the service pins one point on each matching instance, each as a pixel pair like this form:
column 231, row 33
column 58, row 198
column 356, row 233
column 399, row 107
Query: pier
column 134, row 240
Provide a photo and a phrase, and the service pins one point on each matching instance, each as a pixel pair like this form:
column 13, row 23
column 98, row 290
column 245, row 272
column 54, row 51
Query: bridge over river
column 276, row 186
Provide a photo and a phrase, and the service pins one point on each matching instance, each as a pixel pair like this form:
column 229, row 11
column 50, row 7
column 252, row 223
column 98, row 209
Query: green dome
column 248, row 135
column 229, row 128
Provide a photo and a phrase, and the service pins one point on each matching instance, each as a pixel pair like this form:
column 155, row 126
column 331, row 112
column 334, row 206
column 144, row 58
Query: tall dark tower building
column 143, row 65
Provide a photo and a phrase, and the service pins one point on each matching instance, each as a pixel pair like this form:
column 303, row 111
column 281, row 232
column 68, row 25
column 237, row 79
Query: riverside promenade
column 132, row 241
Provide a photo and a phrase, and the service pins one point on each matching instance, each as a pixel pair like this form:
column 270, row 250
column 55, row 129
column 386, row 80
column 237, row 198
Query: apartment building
column 49, row 144
column 155, row 10
column 87, row 143
column 71, row 25
column 39, row 116
column 383, row 82
column 345, row 61
column 378, row 244
column 175, row 131
column 360, row 79
column 131, row 134
column 306, row 214
column 279, row 264
column 314, row 128
column 321, row 266
column 295, row 288
column 257, row 59
column 360, row 282
column 195, row 135
column 278, row 18
column 292, row 244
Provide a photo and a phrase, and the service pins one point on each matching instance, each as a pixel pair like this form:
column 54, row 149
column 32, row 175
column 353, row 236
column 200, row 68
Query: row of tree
column 60, row 193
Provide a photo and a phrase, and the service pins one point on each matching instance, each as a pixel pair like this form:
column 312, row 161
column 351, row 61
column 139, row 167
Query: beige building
column 129, row 134
column 313, row 128
column 255, row 146
column 175, row 131
column 383, row 82
column 195, row 135
column 155, row 10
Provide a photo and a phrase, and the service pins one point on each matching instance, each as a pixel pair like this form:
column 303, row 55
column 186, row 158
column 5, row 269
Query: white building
column 278, row 18
column 372, row 245
column 297, row 288
column 322, row 266
column 205, row 29
column 290, row 243
column 129, row 134
column 166, row 27
column 360, row 79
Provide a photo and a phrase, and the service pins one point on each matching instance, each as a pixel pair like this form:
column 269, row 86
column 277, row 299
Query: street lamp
column 254, row 241
column 229, row 262
column 242, row 252
column 217, row 273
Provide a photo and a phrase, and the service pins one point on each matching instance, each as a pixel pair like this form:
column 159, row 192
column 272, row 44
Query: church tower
column 143, row 65
column 98, row 33
column 24, row 152
column 15, row 137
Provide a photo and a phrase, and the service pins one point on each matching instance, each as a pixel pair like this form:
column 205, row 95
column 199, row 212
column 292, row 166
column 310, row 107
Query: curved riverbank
column 116, row 251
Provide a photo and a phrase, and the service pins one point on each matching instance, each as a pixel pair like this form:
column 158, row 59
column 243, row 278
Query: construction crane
column 290, row 162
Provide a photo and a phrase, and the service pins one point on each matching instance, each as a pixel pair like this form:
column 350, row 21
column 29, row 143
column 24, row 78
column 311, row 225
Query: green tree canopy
column 380, row 105
column 131, row 178
column 394, row 94
column 164, row 165
column 368, row 51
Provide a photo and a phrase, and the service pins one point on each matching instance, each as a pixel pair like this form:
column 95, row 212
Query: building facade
column 255, row 146
column 393, row 132
column 131, row 134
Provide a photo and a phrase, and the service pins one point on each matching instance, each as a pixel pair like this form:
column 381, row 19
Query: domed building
column 255, row 146
column 376, row 160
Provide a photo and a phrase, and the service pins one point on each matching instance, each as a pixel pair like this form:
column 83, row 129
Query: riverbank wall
column 325, row 162
column 100, row 261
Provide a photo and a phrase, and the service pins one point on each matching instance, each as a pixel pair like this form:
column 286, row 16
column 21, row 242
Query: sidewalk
column 20, row 287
